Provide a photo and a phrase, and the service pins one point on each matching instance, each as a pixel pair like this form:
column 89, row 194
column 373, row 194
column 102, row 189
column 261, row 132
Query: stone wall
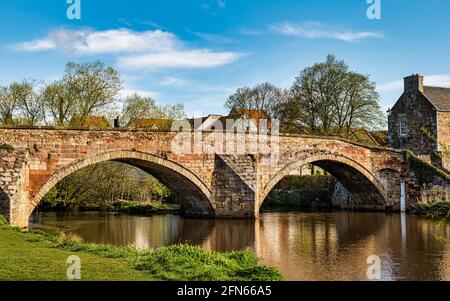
column 419, row 113
column 13, row 178
column 234, row 186
column 444, row 140
column 209, row 178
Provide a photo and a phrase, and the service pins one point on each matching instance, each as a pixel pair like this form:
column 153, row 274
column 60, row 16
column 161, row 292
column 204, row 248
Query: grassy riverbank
column 145, row 209
column 301, row 193
column 435, row 209
column 125, row 207
column 37, row 255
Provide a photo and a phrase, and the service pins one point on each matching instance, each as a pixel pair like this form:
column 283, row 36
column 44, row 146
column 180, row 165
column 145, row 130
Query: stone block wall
column 13, row 182
column 234, row 183
column 227, row 184
column 419, row 114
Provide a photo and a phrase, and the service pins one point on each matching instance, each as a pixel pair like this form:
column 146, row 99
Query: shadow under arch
column 361, row 184
column 4, row 203
column 195, row 197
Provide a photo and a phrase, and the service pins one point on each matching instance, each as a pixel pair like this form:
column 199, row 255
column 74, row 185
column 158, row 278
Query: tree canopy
column 83, row 91
column 325, row 99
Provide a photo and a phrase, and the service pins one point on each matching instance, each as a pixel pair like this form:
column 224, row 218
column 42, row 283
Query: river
column 303, row 246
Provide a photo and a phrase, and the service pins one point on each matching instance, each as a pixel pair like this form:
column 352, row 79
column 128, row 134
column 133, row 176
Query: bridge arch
column 197, row 199
column 356, row 178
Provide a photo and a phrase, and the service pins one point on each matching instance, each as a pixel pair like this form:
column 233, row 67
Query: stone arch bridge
column 210, row 178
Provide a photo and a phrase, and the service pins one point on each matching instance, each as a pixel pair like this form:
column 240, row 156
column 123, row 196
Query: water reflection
column 304, row 246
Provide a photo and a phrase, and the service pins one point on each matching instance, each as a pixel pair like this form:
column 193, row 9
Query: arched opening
column 194, row 196
column 361, row 190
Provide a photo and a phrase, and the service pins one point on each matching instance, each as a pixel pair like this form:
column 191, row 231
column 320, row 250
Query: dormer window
column 403, row 127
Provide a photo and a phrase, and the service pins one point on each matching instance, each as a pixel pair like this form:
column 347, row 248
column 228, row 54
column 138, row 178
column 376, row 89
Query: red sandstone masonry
column 372, row 175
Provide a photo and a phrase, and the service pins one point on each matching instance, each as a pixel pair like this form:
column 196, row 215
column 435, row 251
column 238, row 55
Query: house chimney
column 414, row 83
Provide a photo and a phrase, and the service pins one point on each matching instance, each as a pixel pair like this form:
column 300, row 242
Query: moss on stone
column 7, row 147
column 424, row 171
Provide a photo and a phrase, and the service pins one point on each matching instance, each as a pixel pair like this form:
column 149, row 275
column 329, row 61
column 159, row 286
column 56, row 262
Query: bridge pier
column 14, row 187
column 234, row 186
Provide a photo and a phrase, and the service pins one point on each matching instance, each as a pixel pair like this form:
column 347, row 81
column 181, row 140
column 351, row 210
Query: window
column 403, row 127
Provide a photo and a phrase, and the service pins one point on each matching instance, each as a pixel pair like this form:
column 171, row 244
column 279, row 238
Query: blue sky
column 198, row 52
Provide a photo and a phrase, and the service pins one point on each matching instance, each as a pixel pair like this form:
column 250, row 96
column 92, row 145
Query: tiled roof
column 439, row 97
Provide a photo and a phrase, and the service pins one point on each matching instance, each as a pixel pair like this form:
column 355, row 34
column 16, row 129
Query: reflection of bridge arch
column 358, row 180
column 194, row 194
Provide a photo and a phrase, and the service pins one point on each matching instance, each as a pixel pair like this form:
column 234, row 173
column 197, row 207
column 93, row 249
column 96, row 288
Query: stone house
column 420, row 121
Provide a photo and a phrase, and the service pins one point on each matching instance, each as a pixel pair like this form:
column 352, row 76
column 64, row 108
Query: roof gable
column 439, row 97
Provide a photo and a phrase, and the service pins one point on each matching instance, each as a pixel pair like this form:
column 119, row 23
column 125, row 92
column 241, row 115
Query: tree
column 327, row 98
column 58, row 102
column 93, row 86
column 84, row 89
column 30, row 104
column 261, row 98
column 137, row 107
column 17, row 96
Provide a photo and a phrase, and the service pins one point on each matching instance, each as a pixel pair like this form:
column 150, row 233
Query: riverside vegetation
column 43, row 256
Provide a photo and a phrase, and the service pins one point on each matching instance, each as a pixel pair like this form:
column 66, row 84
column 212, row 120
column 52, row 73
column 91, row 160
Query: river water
column 303, row 246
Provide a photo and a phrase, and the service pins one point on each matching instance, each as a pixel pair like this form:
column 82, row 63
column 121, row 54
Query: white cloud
column 435, row 80
column 316, row 30
column 154, row 49
column 173, row 82
column 211, row 37
column 438, row 80
column 89, row 42
column 185, row 59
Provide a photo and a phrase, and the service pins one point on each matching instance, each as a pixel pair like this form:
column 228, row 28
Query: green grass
column 435, row 209
column 145, row 209
column 125, row 207
column 32, row 256
column 40, row 256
